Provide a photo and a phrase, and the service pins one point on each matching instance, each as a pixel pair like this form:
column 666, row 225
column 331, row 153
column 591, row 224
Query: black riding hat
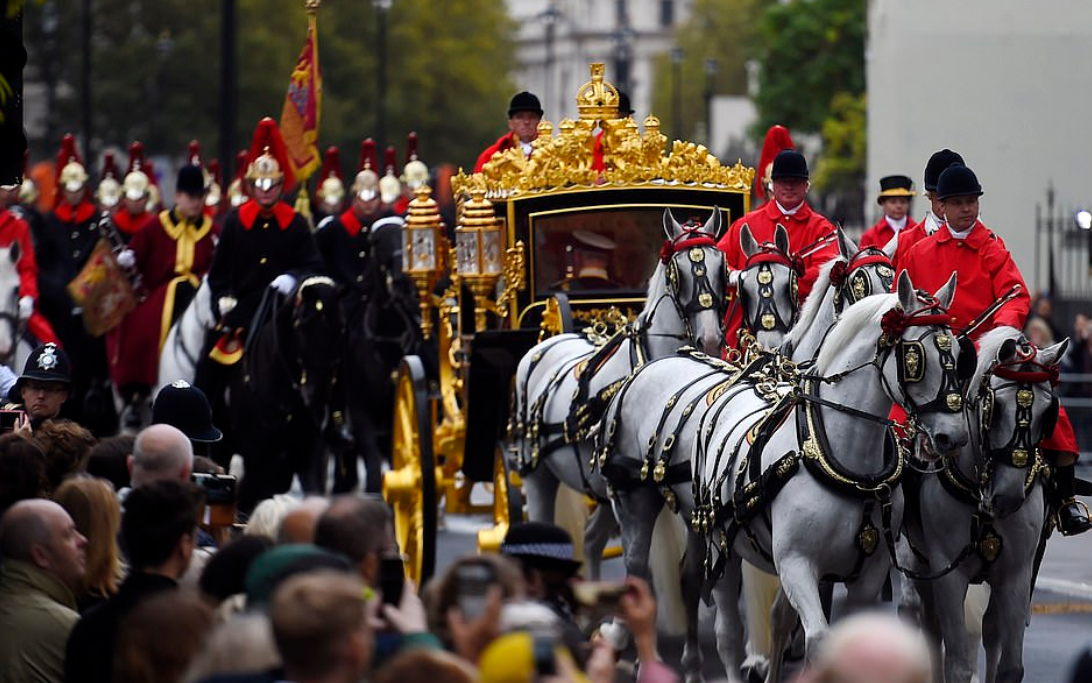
column 542, row 546
column 895, row 186
column 958, row 181
column 937, row 163
column 191, row 180
column 185, row 407
column 524, row 101
column 789, row 163
column 46, row 363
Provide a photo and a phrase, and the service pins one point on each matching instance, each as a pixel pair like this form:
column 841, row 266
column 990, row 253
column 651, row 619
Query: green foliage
column 809, row 51
column 842, row 165
column 156, row 71
column 720, row 29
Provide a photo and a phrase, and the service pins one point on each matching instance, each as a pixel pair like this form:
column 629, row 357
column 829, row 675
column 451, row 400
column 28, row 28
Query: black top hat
column 624, row 106
column 191, row 180
column 541, row 546
column 524, row 101
column 185, row 407
column 896, row 186
column 789, row 164
column 958, row 181
column 46, row 363
column 937, row 163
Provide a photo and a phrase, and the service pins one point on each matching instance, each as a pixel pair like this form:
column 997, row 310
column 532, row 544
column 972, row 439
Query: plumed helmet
column 389, row 187
column 108, row 193
column 331, row 187
column 268, row 160
column 937, row 163
column 46, row 363
column 958, row 181
column 366, row 182
column 71, row 174
column 186, row 408
column 237, row 190
column 215, row 186
column 28, row 190
column 789, row 163
column 415, row 173
column 136, row 185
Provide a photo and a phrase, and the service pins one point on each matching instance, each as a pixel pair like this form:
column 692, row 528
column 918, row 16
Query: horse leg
column 949, row 592
column 800, row 583
column 782, row 621
column 1004, row 624
column 693, row 565
column 759, row 591
column 600, row 527
column 925, row 617
column 728, row 623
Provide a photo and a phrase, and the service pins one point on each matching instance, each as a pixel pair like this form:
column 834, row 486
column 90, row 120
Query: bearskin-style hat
column 268, row 161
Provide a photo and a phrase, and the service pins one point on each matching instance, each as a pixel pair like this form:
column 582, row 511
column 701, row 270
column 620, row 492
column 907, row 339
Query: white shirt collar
column 526, row 147
column 932, row 223
column 788, row 212
column 896, row 225
column 962, row 235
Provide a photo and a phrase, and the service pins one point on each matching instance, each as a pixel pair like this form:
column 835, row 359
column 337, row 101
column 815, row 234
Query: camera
column 219, row 489
column 473, row 580
column 10, row 419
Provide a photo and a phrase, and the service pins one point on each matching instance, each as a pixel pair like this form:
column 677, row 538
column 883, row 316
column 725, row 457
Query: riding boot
column 1072, row 513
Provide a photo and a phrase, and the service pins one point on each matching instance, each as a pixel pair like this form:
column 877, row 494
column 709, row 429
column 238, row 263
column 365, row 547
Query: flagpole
column 303, row 200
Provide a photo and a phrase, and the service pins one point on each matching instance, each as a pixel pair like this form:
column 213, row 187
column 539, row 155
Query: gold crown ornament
column 597, row 100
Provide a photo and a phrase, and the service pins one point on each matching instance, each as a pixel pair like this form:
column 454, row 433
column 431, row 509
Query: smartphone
column 473, row 581
column 542, row 650
column 601, row 596
column 392, row 578
column 10, row 419
column 219, row 489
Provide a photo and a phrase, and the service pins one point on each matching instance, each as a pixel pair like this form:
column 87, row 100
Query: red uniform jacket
column 804, row 227
column 503, row 143
column 171, row 256
column 908, row 238
column 880, row 234
column 986, row 271
column 14, row 229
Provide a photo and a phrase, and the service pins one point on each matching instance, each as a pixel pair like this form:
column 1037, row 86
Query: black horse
column 382, row 328
column 280, row 396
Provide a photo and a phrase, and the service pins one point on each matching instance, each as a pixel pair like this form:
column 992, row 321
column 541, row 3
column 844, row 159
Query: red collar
column 127, row 223
column 774, row 214
column 980, row 234
column 80, row 214
column 351, row 222
column 283, row 213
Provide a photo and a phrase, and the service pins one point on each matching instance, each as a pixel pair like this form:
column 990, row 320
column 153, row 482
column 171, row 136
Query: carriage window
column 610, row 250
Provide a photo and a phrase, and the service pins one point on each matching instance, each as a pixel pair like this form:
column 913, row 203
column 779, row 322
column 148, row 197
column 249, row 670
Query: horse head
column 768, row 287
column 317, row 326
column 1014, row 405
column 694, row 276
column 924, row 364
column 10, row 324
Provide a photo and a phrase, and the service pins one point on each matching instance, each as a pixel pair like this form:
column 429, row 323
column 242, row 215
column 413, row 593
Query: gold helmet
column 366, row 182
column 136, row 186
column 268, row 158
column 389, row 187
column 28, row 189
column 331, row 189
column 237, row 190
column 108, row 193
column 71, row 174
column 215, row 190
column 415, row 172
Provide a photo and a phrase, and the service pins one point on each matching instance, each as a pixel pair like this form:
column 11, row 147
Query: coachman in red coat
column 986, row 272
column 895, row 194
column 524, row 114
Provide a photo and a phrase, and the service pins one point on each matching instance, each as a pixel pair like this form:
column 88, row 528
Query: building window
column 667, row 12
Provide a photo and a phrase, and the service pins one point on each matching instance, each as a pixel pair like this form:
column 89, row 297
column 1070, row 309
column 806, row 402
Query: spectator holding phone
column 43, row 388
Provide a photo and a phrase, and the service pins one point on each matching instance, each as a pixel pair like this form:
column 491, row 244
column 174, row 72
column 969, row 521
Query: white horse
column 746, row 435
column 15, row 347
column 981, row 517
column 186, row 339
column 562, row 382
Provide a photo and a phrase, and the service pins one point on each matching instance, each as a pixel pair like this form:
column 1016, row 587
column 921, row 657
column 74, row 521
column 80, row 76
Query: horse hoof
column 754, row 669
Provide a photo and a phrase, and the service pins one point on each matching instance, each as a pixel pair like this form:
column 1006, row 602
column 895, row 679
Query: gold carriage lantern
column 422, row 250
column 479, row 252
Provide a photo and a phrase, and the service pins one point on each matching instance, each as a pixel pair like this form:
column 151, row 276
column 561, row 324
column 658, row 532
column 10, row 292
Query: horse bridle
column 694, row 242
column 851, row 283
column 766, row 316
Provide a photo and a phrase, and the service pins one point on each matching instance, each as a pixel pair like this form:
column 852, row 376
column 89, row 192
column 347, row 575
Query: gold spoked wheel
column 410, row 486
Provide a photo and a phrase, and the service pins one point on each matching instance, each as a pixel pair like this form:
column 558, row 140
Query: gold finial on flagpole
column 312, row 6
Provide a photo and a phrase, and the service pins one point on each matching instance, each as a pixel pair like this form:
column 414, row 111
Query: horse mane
column 656, row 287
column 988, row 346
column 813, row 303
column 866, row 312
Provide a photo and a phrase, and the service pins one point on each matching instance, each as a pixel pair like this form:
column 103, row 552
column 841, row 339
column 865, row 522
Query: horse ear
column 747, row 242
column 892, row 246
column 846, row 246
column 1052, row 354
column 672, row 229
column 715, row 225
column 908, row 298
column 16, row 252
column 1006, row 351
column 946, row 294
column 781, row 238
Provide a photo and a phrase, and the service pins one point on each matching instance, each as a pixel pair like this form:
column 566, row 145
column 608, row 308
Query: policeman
column 964, row 245
column 894, row 198
column 524, row 114
column 44, row 386
column 263, row 244
column 186, row 408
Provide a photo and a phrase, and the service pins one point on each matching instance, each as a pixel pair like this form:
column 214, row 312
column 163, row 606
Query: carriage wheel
column 410, row 486
column 507, row 503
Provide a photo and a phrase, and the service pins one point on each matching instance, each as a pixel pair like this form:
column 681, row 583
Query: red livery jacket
column 503, row 143
column 15, row 229
column 986, row 271
column 805, row 227
column 880, row 234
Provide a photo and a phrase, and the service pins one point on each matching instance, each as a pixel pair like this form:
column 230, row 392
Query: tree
column 156, row 71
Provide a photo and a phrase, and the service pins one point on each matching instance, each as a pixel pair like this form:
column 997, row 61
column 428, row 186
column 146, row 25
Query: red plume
column 136, row 158
column 267, row 136
column 390, row 159
column 26, row 164
column 411, row 147
column 109, row 166
column 193, row 155
column 214, row 171
column 777, row 140
column 149, row 170
column 240, row 165
column 68, row 153
column 331, row 165
column 367, row 156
